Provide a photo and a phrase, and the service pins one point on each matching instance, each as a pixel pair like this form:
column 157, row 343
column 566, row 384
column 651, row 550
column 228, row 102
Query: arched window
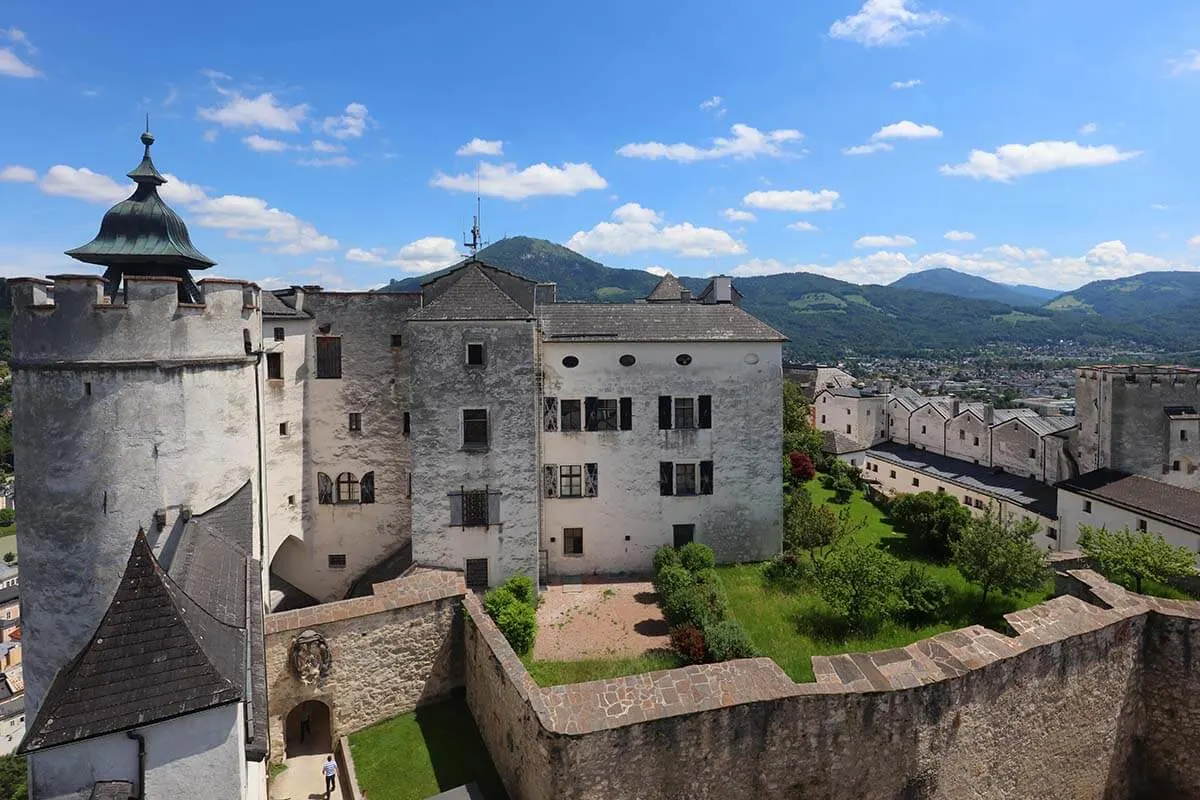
column 324, row 488
column 367, row 488
column 347, row 488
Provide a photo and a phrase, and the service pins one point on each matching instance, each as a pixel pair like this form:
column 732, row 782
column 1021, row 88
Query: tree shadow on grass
column 962, row 609
column 456, row 751
column 651, row 627
column 820, row 624
column 906, row 549
column 646, row 598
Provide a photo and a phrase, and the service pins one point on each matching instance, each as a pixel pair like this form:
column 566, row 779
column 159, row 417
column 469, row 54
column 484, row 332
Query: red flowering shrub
column 688, row 641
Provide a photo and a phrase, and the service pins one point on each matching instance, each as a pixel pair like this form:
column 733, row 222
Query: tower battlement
column 69, row 318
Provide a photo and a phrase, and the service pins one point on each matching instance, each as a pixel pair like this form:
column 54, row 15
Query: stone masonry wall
column 1092, row 698
column 391, row 652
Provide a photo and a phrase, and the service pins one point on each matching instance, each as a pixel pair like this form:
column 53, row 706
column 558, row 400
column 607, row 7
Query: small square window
column 283, row 429
column 916, row 481
column 474, row 354
column 848, row 428
column 572, row 541
column 337, row 560
column 822, row 419
column 1087, row 506
column 892, row 473
column 922, row 429
column 1033, row 452
column 291, row 499
column 274, row 366
column 279, row 334
column 355, row 421
column 976, row 441
column 1141, row 525
column 1051, row 533
column 1183, row 436
column 397, row 340
column 1175, row 466
column 477, row 573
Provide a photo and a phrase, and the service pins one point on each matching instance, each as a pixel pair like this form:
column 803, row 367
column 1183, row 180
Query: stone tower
column 135, row 403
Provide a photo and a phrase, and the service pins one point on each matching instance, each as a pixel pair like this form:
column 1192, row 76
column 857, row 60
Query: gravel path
column 599, row 620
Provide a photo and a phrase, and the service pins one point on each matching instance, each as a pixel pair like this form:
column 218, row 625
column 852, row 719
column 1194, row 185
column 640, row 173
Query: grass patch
column 791, row 628
column 417, row 755
column 560, row 673
column 8, row 540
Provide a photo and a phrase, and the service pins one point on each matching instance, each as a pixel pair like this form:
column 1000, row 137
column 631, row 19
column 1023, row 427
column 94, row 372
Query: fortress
column 238, row 503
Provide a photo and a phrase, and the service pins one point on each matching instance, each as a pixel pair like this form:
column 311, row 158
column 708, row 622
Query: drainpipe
column 141, row 740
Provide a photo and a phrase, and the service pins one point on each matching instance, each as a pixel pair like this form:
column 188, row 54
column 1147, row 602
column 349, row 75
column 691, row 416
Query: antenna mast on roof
column 476, row 240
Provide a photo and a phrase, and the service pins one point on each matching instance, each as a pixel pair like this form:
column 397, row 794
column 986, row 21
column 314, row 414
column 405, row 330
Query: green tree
column 931, row 520
column 1127, row 556
column 799, row 435
column 815, row 529
column 859, row 583
column 12, row 778
column 1000, row 556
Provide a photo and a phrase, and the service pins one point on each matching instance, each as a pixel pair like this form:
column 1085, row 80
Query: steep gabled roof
column 473, row 292
column 155, row 655
column 274, row 307
column 653, row 322
column 667, row 290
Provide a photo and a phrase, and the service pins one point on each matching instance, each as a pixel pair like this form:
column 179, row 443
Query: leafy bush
column 671, row 580
column 933, row 521
column 665, row 556
column 922, row 596
column 518, row 622
column 7, row 516
column 787, row 572
column 728, row 640
column 859, row 583
column 497, row 599
column 688, row 641
column 803, row 469
column 998, row 555
column 696, row 557
column 522, row 588
column 1132, row 557
column 691, row 605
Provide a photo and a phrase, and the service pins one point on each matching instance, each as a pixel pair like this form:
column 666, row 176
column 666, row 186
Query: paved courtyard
column 599, row 620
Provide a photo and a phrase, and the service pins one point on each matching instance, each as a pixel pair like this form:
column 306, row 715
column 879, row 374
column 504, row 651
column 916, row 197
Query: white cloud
column 171, row 98
column 1190, row 62
column 715, row 105
column 886, row 22
column 261, row 144
column 959, row 236
column 659, row 271
column 331, row 161
column 82, row 184
column 12, row 65
column 1194, row 241
column 637, row 228
column 180, row 192
column 878, row 241
column 734, row 215
column 326, row 147
column 481, row 147
column 1088, row 129
column 1115, row 255
column 906, row 84
column 263, row 111
column 1159, row 206
column 801, row 200
column 1014, row 253
column 803, row 226
column 426, row 254
column 214, row 75
column 906, row 129
column 1015, row 160
column 351, row 124
column 372, row 256
column 746, row 142
column 18, row 36
column 866, row 149
column 17, row 174
column 505, row 180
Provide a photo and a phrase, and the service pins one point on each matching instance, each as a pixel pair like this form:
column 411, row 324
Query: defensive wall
column 1095, row 695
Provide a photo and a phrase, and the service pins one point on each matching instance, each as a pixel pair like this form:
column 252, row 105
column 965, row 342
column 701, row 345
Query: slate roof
column 839, row 443
column 907, row 397
column 112, row 790
column 1181, row 412
column 667, row 290
column 1026, row 492
column 275, row 308
column 473, row 292
column 1048, row 426
column 155, row 655
column 653, row 322
column 1157, row 500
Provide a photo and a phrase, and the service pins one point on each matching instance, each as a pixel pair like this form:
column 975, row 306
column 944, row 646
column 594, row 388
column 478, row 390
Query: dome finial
column 147, row 137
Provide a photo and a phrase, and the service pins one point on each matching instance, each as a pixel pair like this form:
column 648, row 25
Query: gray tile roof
column 653, row 322
column 1026, row 492
column 668, row 289
column 273, row 307
column 471, row 293
column 1173, row 505
column 839, row 443
column 1048, row 426
column 909, row 398
column 112, row 790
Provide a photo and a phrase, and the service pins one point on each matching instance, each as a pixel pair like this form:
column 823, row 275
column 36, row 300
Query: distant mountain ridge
column 960, row 284
column 826, row 318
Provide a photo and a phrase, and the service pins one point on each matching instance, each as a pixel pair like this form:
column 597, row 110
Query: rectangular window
column 279, row 334
column 1183, row 436
column 329, row 356
column 474, row 354
column 967, row 500
column 355, row 422
column 978, row 503
column 274, row 366
column 475, row 508
column 572, row 541
column 626, row 413
column 602, row 415
column 337, row 560
column 848, row 429
column 1141, row 525
column 477, row 573
column 1087, row 506
column 922, row 429
column 571, row 416
column 406, row 428
column 550, row 414
column 1175, row 466
column 283, row 429
column 893, row 473
column 666, row 478
column 706, row 477
column 571, row 480
column 962, row 435
column 685, row 479
column 916, row 481
column 682, row 534
column 976, row 442
column 1051, row 533
column 704, row 411
column 397, row 340
column 822, row 419
column 664, row 412
column 1033, row 452
column 291, row 499
column 685, row 412
column 475, row 428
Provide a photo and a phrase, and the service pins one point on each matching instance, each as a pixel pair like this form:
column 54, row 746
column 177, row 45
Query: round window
column 751, row 358
column 570, row 361
column 683, row 359
column 627, row 360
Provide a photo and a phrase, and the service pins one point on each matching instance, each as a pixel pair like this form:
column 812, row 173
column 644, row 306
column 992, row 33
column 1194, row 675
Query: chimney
column 883, row 386
column 989, row 414
column 955, row 407
column 685, row 296
column 722, row 289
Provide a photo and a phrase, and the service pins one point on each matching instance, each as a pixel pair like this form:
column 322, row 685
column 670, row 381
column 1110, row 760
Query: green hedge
column 692, row 598
column 513, row 607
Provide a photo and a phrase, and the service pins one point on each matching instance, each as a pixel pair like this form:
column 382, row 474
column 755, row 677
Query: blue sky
column 1042, row 141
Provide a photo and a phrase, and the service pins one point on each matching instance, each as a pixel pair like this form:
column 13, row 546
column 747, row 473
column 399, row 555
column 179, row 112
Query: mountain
column 960, row 284
column 1039, row 294
column 826, row 318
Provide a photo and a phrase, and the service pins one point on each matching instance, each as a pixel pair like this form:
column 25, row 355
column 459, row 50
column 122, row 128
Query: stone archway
column 308, row 730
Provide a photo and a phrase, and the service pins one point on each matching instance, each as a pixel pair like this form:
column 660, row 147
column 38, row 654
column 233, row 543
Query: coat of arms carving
column 310, row 657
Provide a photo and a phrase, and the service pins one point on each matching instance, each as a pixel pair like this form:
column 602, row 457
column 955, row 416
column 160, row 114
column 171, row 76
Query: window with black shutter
column 274, row 366
column 704, row 411
column 279, row 335
column 324, row 489
column 666, row 478
column 606, row 415
column 626, row 413
column 706, row 477
column 664, row 412
column 589, row 413
column 347, row 488
column 685, row 412
column 550, row 414
column 571, row 416
column 366, row 488
column 685, row 479
column 329, row 356
column 571, row 477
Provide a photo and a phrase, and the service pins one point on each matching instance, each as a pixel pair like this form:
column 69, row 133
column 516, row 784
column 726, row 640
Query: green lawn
column 782, row 625
column 8, row 540
column 559, row 673
column 417, row 755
